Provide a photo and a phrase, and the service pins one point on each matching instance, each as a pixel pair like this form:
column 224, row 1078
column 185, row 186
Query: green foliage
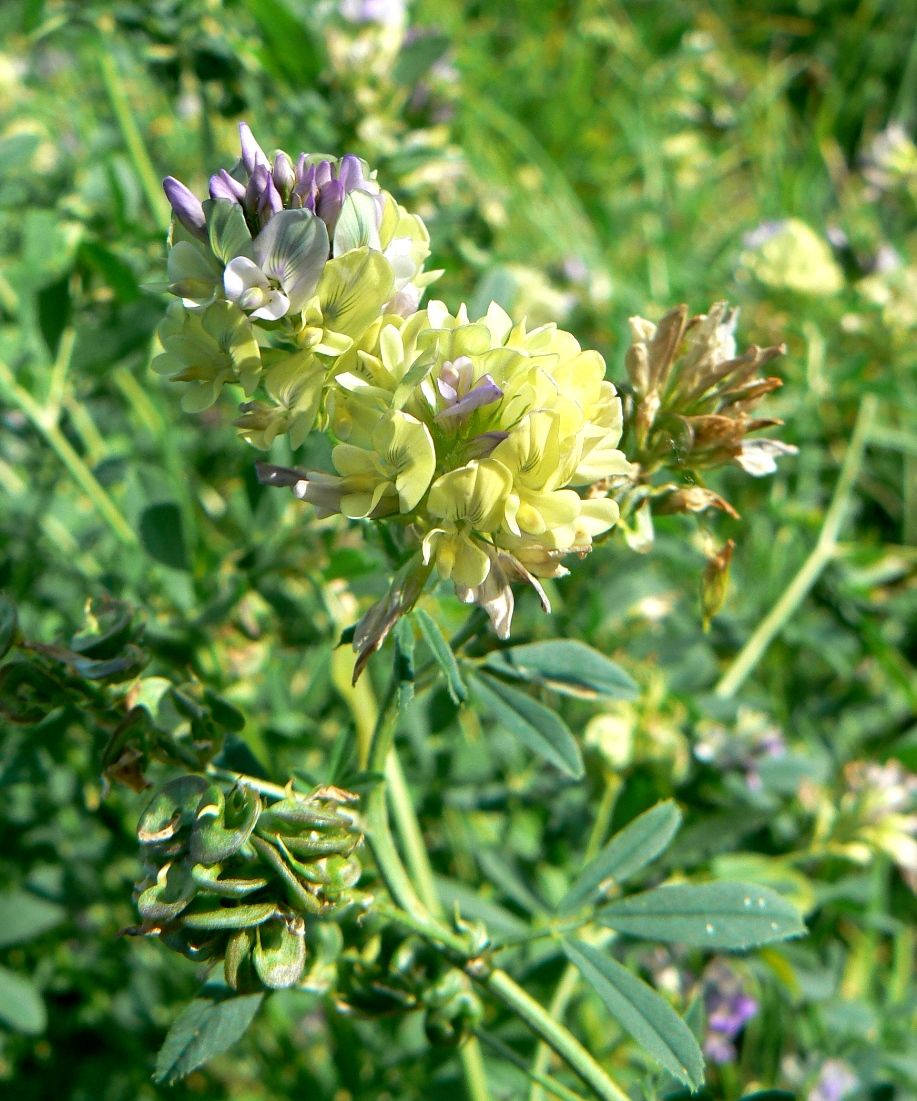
column 207, row 1027
column 721, row 915
column 587, row 177
column 641, row 1012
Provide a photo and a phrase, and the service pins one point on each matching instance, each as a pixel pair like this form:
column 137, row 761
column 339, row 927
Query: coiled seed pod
column 228, row 877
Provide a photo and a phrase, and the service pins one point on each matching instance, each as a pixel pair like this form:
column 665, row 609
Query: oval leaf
column 21, row 1006
column 629, row 850
column 206, row 1028
column 709, row 915
column 543, row 731
column 566, row 666
column 24, row 916
column 641, row 1012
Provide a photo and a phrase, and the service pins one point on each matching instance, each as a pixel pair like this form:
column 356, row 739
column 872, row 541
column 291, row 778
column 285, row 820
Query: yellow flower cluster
column 479, row 437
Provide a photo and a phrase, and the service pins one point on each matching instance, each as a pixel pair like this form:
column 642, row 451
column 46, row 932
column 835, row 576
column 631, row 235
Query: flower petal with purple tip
column 484, row 393
column 186, row 206
column 223, row 186
column 252, row 153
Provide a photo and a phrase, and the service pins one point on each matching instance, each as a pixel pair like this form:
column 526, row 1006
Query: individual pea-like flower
column 289, row 254
column 482, row 439
column 789, row 256
column 208, row 348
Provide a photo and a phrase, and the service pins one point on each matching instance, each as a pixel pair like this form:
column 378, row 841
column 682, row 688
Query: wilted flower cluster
column 478, row 436
column 230, row 878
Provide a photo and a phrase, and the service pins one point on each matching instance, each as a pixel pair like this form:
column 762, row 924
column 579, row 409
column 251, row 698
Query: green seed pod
column 229, row 878
column 223, row 825
column 453, row 1010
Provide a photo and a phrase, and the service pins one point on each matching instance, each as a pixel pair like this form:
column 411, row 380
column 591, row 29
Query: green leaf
column 543, row 731
column 566, row 666
column 24, row 916
column 290, row 49
column 207, row 1027
column 631, row 849
column 710, row 915
column 162, row 536
column 227, row 229
column 641, row 1012
column 8, row 624
column 442, row 652
column 21, row 1006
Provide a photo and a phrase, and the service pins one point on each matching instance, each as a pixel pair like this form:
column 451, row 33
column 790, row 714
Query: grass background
column 580, row 160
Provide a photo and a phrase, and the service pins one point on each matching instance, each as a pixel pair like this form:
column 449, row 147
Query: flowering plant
column 490, row 453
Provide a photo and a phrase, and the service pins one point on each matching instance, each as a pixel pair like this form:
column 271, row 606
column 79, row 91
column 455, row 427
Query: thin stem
column 505, row 989
column 540, row 1021
column 408, row 827
column 133, row 139
column 553, row 930
column 62, row 447
column 378, row 834
column 422, row 872
column 551, row 1085
column 569, row 979
column 822, row 553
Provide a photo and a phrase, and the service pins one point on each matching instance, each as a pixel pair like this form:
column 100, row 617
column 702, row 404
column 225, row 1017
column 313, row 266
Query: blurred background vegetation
column 578, row 161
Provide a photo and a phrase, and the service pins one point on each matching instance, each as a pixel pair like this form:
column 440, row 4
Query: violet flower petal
column 252, row 153
column 186, row 206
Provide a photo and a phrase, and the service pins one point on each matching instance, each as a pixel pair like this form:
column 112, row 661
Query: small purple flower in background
column 752, row 740
column 729, row 1008
column 835, row 1082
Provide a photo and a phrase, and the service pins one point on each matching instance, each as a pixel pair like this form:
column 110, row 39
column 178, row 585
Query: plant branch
column 825, row 549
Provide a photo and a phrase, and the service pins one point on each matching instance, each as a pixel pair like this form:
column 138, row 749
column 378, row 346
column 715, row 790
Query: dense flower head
column 307, row 253
column 491, row 445
column 480, row 437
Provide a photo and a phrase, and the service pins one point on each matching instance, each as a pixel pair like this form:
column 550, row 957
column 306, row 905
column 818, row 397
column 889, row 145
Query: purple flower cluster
column 263, row 187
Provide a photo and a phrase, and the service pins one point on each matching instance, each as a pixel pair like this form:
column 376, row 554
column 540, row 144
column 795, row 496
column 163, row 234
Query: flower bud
column 186, row 207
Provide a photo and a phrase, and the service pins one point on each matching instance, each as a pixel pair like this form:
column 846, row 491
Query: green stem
column 133, row 139
column 62, row 447
column 540, row 1021
column 413, row 914
column 506, row 1052
column 422, row 872
column 825, row 549
column 569, row 979
column 408, row 828
column 378, row 834
column 506, row 990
